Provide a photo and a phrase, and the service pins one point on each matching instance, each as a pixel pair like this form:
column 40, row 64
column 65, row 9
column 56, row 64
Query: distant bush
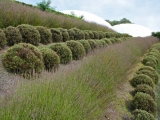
column 107, row 41
column 2, row 39
column 86, row 45
column 50, row 58
column 141, row 79
column 145, row 102
column 92, row 44
column 56, row 35
column 63, row 51
column 29, row 34
column 45, row 34
column 79, row 35
column 71, row 34
column 96, row 34
column 13, row 35
column 145, row 89
column 23, row 59
column 142, row 115
column 65, row 35
column 77, row 49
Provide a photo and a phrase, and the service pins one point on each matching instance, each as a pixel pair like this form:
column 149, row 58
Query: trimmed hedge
column 86, row 34
column 77, row 49
column 71, row 34
column 91, row 35
column 92, row 44
column 96, row 34
column 150, row 59
column 147, row 68
column 86, row 45
column 50, row 58
column 107, row 41
column 78, row 34
column 29, row 34
column 151, row 64
column 13, row 35
column 65, row 35
column 56, row 35
column 2, row 39
column 63, row 51
column 145, row 102
column 23, row 59
column 45, row 35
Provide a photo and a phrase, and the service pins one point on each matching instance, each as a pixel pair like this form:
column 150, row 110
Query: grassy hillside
column 13, row 14
column 78, row 91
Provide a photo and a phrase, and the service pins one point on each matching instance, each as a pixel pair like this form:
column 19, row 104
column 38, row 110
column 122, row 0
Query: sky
column 142, row 12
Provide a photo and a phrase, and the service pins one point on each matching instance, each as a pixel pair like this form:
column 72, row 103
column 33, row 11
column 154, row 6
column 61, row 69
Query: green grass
column 78, row 91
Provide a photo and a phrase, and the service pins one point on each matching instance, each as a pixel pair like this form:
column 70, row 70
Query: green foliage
column 71, row 34
column 29, row 34
column 142, row 115
column 141, row 79
column 92, row 44
column 45, row 6
column 13, row 35
column 56, row 35
column 145, row 89
column 156, row 34
column 75, row 16
column 108, row 34
column 45, row 34
column 101, row 35
column 23, row 59
column 86, row 34
column 77, row 49
column 2, row 39
column 147, row 68
column 145, row 102
column 115, row 22
column 151, row 64
column 63, row 51
column 96, row 34
column 91, row 35
column 79, row 35
column 107, row 41
column 86, row 45
column 50, row 58
column 65, row 35
column 150, row 59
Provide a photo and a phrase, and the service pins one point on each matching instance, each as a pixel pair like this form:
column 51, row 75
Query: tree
column 45, row 6
column 115, row 22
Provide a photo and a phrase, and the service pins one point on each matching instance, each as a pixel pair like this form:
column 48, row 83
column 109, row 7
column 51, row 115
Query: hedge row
column 26, row 59
column 34, row 35
column 146, row 77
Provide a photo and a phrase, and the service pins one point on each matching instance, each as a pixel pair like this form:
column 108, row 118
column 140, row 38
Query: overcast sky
column 143, row 12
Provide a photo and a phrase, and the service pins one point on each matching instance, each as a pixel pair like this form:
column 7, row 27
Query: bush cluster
column 78, row 34
column 56, row 35
column 2, row 39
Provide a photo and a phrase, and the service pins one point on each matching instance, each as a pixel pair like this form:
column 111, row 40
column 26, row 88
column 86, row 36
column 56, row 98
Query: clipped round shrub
column 150, row 59
column 24, row 59
column 142, row 115
column 86, row 34
column 151, row 74
column 145, row 89
column 151, row 64
column 108, row 35
column 45, row 35
column 96, row 34
column 50, row 58
column 77, row 49
column 79, row 35
column 92, row 44
column 13, row 35
column 98, row 43
column 29, row 34
column 71, row 34
column 145, row 102
column 63, row 51
column 147, row 68
column 141, row 79
column 155, row 54
column 101, row 35
column 86, row 45
column 65, row 35
column 91, row 35
column 107, row 41
column 56, row 35
column 103, row 43
column 2, row 39
column 112, row 40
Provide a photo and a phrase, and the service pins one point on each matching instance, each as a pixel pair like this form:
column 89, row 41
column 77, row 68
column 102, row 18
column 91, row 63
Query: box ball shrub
column 92, row 44
column 145, row 102
column 107, row 41
column 145, row 89
column 91, row 35
column 108, row 35
column 13, row 36
column 139, row 114
column 56, row 35
column 71, row 34
column 150, row 59
column 45, row 35
column 86, row 34
column 151, row 64
column 96, row 34
column 146, row 68
column 24, row 59
column 86, row 45
column 79, row 35
column 29, row 34
column 98, row 43
column 63, row 52
column 77, row 49
column 103, row 43
column 50, row 58
column 65, row 35
column 2, row 39
column 141, row 79
column 101, row 35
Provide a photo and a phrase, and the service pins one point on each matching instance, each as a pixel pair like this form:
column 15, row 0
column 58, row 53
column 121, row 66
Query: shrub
column 2, row 39
column 77, row 49
column 112, row 40
column 145, row 102
column 141, row 79
column 92, row 44
column 63, row 51
column 86, row 45
column 154, row 54
column 13, row 35
column 151, row 74
column 103, row 43
column 150, row 59
column 71, row 34
column 23, row 59
column 142, row 115
column 56, row 35
column 65, row 35
column 107, row 41
column 145, row 89
column 101, row 35
column 45, row 35
column 151, row 64
column 50, row 58
column 79, row 35
column 91, row 35
column 96, row 34
column 86, row 34
column 147, row 68
column 108, row 35
column 29, row 34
